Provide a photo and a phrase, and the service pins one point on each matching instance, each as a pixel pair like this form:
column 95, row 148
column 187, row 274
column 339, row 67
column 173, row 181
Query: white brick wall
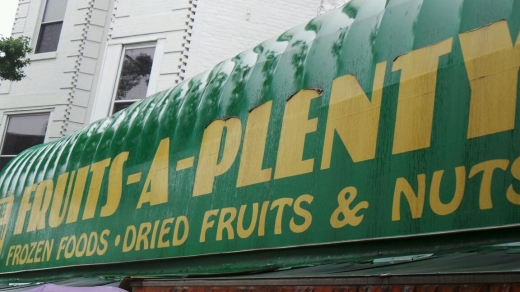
column 54, row 78
column 223, row 28
column 135, row 22
column 77, row 82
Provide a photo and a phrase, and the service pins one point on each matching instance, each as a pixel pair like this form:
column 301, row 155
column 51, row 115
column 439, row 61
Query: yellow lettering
column 413, row 125
column 511, row 194
column 98, row 172
column 295, row 126
column 71, row 247
column 154, row 233
column 306, row 215
column 32, row 247
column 9, row 255
column 41, row 203
column 346, row 213
column 47, row 250
column 439, row 207
column 185, row 163
column 224, row 223
column 77, row 194
column 416, row 202
column 263, row 216
column 245, row 233
column 155, row 190
column 487, row 168
column 354, row 117
column 5, row 214
column 61, row 247
column 103, row 242
column 492, row 66
column 207, row 224
column 208, row 167
column 16, row 255
column 24, row 254
column 39, row 249
column 57, row 213
column 144, row 229
column 115, row 185
column 164, row 230
column 92, row 244
column 176, row 240
column 25, row 206
column 280, row 204
column 82, row 242
column 251, row 170
column 128, row 244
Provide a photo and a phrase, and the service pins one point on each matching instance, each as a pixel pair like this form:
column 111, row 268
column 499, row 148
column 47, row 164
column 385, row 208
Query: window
column 23, row 131
column 50, row 28
column 134, row 76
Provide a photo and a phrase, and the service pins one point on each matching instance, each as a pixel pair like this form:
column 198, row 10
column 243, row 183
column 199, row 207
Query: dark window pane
column 121, row 106
column 135, row 74
column 55, row 10
column 24, row 132
column 49, row 37
column 4, row 161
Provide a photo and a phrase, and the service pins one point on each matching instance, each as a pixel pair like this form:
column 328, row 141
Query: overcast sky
column 7, row 12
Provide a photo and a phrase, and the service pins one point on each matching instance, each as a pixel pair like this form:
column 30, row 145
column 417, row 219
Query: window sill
column 43, row 56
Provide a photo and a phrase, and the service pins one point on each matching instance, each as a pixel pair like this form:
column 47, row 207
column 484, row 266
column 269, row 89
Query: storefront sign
column 337, row 131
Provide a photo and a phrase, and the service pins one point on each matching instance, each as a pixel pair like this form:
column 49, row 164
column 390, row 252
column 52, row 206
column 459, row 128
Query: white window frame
column 5, row 120
column 153, row 77
column 36, row 36
column 105, row 92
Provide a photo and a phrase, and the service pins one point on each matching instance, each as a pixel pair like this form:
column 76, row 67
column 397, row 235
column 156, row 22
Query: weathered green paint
column 348, row 41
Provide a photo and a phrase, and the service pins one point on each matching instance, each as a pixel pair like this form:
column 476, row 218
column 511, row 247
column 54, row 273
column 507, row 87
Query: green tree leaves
column 13, row 57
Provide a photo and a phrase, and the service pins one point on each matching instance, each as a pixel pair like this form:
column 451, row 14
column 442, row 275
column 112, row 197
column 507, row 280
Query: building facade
column 94, row 57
